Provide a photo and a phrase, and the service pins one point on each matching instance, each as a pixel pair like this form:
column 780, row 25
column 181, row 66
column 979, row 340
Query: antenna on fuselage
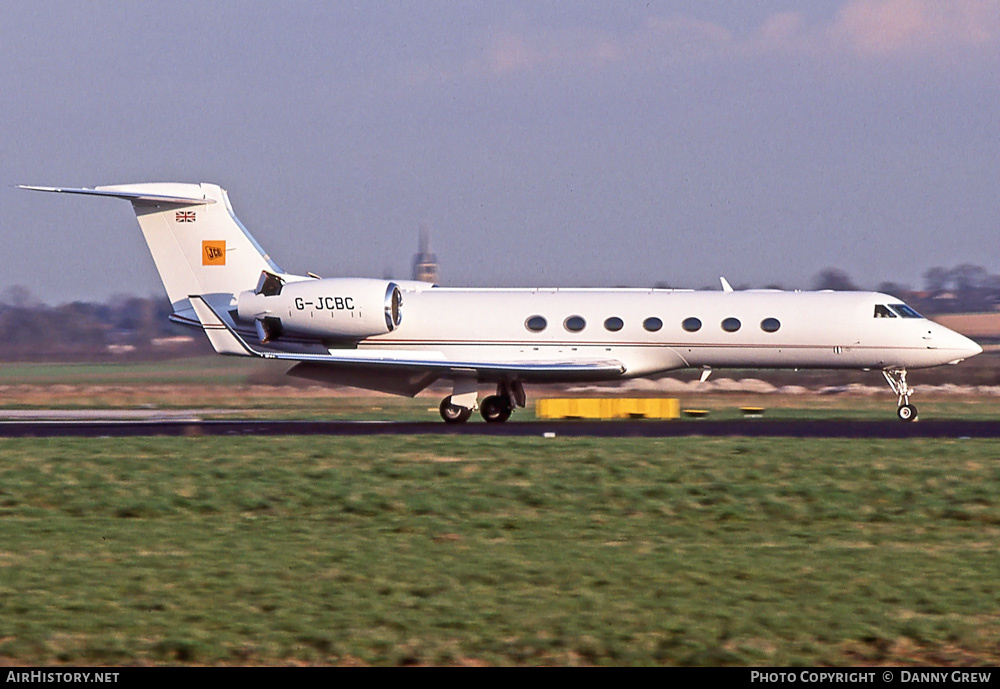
column 726, row 287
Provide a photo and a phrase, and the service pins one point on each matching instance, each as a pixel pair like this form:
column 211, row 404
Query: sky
column 542, row 143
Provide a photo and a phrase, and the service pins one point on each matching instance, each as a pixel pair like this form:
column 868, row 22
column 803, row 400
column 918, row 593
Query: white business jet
column 400, row 336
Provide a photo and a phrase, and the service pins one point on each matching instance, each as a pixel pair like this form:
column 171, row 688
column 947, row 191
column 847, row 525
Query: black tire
column 452, row 413
column 907, row 412
column 495, row 409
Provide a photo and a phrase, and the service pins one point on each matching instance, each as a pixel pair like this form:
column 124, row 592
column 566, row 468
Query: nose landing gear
column 896, row 378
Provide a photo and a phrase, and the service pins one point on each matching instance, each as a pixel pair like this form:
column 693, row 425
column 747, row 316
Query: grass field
column 442, row 550
column 209, row 370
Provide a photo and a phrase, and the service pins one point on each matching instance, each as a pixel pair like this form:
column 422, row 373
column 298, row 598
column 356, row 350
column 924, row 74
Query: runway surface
column 596, row 429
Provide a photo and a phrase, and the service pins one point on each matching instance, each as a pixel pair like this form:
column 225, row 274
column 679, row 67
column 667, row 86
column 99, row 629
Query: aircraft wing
column 226, row 340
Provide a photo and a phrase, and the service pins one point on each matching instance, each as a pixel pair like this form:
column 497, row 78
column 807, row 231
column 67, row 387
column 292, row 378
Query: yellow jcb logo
column 213, row 253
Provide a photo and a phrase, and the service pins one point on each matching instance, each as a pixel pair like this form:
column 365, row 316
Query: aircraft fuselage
column 652, row 331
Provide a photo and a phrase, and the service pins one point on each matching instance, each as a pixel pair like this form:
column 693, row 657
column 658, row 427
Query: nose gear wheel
column 896, row 378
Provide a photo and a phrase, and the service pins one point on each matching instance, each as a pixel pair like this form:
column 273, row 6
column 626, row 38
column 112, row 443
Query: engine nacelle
column 339, row 308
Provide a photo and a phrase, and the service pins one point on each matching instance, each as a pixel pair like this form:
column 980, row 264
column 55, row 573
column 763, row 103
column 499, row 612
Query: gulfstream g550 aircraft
column 401, row 336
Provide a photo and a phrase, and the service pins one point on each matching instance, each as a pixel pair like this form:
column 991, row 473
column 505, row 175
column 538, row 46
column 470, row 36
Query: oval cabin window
column 731, row 325
column 770, row 325
column 536, row 324
column 692, row 325
column 652, row 324
column 574, row 324
column 614, row 324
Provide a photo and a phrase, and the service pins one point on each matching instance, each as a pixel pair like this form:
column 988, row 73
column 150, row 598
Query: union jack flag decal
column 184, row 216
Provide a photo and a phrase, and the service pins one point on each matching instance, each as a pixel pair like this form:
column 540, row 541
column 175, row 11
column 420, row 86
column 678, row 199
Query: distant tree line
column 966, row 288
column 124, row 327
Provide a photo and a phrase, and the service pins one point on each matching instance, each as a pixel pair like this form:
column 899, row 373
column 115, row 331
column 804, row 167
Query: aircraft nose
column 972, row 348
column 955, row 346
column 964, row 346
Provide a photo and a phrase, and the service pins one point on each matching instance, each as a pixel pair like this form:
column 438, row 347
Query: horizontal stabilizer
column 129, row 195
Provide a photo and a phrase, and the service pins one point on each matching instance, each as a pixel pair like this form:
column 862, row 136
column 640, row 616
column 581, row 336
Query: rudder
column 200, row 248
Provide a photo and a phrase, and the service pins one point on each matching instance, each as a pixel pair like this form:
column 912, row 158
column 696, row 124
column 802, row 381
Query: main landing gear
column 896, row 378
column 452, row 413
column 494, row 408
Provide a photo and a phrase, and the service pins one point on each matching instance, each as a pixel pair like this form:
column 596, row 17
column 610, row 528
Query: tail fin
column 197, row 243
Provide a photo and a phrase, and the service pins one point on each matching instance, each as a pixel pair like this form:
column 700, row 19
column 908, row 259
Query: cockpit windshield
column 895, row 311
